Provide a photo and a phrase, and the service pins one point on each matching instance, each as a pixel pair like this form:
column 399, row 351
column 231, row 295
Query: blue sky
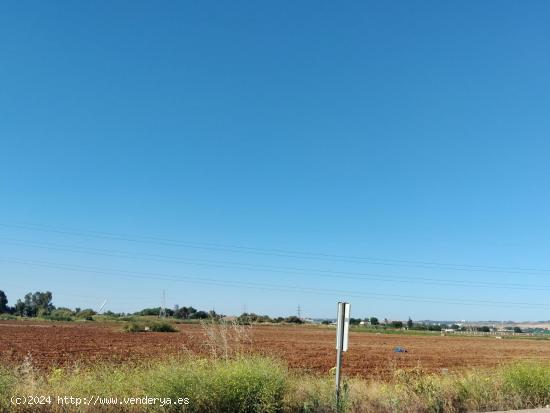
column 403, row 131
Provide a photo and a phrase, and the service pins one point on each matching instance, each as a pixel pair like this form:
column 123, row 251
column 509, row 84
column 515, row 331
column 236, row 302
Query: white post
column 342, row 329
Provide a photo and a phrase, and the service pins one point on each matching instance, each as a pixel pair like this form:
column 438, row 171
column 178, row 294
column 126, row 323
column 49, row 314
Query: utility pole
column 162, row 312
column 299, row 312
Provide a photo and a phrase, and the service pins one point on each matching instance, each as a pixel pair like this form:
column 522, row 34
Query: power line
column 272, row 252
column 286, row 270
column 268, row 287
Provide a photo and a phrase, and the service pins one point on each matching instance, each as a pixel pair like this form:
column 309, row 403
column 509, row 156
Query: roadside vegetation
column 246, row 383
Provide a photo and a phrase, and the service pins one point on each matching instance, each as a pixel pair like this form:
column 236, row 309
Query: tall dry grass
column 227, row 339
column 237, row 382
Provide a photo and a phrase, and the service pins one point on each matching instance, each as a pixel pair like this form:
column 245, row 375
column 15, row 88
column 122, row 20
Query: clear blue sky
column 414, row 131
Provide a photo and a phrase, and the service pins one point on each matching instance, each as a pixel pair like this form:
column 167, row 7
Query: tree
column 42, row 302
column 397, row 324
column 3, row 302
column 29, row 309
column 213, row 315
column 410, row 323
column 374, row 321
column 517, row 330
column 19, row 308
column 184, row 312
column 294, row 319
column 201, row 315
column 149, row 311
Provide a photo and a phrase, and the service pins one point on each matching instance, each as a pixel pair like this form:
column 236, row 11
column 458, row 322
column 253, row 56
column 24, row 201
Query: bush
column 527, row 385
column 158, row 327
column 60, row 314
column 163, row 328
column 86, row 314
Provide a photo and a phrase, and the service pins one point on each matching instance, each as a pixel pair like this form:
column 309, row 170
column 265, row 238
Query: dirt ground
column 308, row 348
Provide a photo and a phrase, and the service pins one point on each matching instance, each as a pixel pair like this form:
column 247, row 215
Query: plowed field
column 307, row 348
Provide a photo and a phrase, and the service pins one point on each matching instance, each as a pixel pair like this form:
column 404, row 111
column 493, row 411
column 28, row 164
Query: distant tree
column 34, row 304
column 517, row 330
column 247, row 318
column 29, row 309
column 484, row 329
column 455, row 327
column 19, row 308
column 185, row 312
column 374, row 321
column 155, row 311
column 410, row 323
column 326, row 322
column 397, row 324
column 3, row 302
column 213, row 315
column 42, row 302
column 294, row 319
column 200, row 315
column 354, row 321
column 86, row 314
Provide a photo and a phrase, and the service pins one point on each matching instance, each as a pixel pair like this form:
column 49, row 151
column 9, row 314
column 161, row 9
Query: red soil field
column 307, row 348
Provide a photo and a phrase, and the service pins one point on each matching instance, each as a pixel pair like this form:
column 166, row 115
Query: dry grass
column 227, row 339
column 236, row 382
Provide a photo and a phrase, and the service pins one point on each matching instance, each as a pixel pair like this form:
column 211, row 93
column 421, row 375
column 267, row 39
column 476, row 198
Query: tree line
column 39, row 304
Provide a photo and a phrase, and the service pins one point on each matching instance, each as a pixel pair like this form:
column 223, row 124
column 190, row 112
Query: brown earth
column 308, row 348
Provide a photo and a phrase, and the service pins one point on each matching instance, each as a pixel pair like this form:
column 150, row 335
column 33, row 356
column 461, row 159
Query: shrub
column 163, row 327
column 158, row 327
column 527, row 385
column 60, row 314
column 86, row 314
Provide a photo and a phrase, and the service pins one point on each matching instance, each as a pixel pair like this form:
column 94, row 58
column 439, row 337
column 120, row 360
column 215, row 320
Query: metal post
column 339, row 348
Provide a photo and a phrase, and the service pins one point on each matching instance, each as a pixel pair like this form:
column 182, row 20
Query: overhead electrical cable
column 279, row 269
column 264, row 286
column 272, row 252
